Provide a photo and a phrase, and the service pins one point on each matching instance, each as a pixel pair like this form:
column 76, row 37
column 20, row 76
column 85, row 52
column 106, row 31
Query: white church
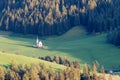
column 39, row 44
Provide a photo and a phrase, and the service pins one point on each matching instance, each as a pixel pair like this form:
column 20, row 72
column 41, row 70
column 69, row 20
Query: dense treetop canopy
column 54, row 17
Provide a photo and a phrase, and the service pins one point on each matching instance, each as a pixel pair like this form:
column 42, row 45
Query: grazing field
column 74, row 45
column 7, row 59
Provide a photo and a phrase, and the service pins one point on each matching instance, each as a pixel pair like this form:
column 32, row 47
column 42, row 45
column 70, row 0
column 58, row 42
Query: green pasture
column 73, row 45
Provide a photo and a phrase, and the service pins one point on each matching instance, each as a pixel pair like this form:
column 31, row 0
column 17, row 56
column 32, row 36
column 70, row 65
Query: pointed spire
column 37, row 40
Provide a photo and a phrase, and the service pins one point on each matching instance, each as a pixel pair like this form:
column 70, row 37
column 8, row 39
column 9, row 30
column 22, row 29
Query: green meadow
column 6, row 59
column 73, row 45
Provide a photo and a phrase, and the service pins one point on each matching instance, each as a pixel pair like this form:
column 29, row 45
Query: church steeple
column 37, row 40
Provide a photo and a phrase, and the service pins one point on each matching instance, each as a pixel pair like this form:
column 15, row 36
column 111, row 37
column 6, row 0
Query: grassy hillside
column 7, row 58
column 73, row 34
column 85, row 49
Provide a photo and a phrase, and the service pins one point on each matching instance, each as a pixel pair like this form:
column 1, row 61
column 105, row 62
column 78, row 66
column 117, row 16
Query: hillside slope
column 76, row 32
column 7, row 58
column 85, row 49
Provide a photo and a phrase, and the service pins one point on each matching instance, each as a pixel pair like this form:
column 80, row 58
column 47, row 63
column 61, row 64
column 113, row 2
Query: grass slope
column 73, row 34
column 6, row 59
column 84, row 48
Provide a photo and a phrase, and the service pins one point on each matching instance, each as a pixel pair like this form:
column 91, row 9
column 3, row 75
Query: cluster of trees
column 54, row 17
column 42, row 17
column 104, row 17
column 40, row 72
column 62, row 61
column 113, row 37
